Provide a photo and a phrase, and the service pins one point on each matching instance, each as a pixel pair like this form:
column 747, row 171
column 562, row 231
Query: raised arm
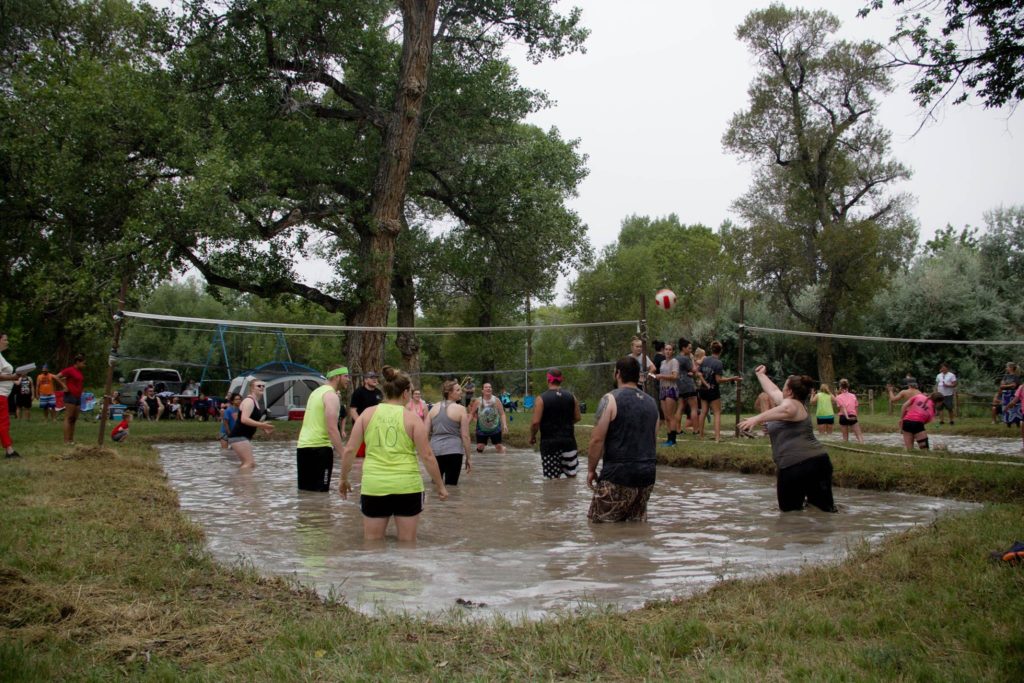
column 767, row 385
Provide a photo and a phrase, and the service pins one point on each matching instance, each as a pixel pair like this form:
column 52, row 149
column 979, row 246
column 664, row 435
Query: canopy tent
column 288, row 386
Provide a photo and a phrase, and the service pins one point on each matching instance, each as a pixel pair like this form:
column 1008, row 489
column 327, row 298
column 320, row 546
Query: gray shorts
column 947, row 402
column 236, row 439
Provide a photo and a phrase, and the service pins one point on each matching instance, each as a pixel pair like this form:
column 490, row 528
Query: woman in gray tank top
column 803, row 468
column 449, row 433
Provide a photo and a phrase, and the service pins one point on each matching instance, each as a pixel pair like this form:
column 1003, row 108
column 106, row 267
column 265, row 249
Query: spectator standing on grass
column 72, row 381
column 8, row 379
column 824, row 409
column 46, row 393
column 646, row 365
column 1016, row 402
column 713, row 370
column 624, row 441
column 848, row 407
column 22, row 394
column 945, row 384
column 1007, row 387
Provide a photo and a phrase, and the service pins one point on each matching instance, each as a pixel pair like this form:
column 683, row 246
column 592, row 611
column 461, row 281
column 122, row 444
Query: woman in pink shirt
column 918, row 411
column 847, row 402
column 417, row 405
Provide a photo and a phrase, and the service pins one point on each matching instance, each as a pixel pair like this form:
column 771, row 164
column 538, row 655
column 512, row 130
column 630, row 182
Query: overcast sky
column 660, row 80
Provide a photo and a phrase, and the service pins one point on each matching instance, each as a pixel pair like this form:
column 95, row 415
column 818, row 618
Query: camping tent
column 288, row 386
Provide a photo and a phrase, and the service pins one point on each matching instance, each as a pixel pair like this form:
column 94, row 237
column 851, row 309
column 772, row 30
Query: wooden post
column 739, row 362
column 112, row 359
column 871, row 400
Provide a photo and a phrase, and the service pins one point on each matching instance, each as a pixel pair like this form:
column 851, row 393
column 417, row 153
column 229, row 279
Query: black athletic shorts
column 396, row 504
column 847, row 421
column 24, row 400
column 481, row 438
column 687, row 394
column 810, row 481
column 314, row 466
column 912, row 426
column 827, row 420
column 710, row 395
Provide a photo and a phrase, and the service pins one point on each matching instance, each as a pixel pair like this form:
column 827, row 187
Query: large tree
column 346, row 82
column 979, row 49
column 820, row 215
column 88, row 138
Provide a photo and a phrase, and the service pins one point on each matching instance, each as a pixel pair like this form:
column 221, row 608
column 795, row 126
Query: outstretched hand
column 760, row 370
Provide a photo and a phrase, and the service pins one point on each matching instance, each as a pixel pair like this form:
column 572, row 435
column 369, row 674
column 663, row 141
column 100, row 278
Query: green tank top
column 391, row 466
column 825, row 405
column 314, row 424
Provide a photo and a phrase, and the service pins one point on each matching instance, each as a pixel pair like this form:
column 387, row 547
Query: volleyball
column 665, row 298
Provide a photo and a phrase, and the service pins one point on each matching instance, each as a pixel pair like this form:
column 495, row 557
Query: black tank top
column 245, row 430
column 629, row 448
column 556, row 422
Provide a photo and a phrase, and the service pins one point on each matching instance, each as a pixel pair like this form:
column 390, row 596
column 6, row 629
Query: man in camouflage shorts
column 624, row 439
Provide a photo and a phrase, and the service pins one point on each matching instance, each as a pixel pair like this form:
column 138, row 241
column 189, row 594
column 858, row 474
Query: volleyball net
column 514, row 356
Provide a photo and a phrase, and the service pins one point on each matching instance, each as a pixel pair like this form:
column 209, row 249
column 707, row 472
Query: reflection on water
column 520, row 544
column 948, row 442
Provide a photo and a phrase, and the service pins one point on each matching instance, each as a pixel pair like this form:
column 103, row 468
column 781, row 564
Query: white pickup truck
column 163, row 379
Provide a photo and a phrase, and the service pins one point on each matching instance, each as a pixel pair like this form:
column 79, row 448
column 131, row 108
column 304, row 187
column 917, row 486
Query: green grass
column 102, row 577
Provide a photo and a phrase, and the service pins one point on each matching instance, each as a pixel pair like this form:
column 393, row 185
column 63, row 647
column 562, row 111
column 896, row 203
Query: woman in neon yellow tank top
column 825, row 408
column 392, row 485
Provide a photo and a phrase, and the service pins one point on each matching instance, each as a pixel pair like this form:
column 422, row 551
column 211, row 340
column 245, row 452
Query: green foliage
column 820, row 223
column 980, row 49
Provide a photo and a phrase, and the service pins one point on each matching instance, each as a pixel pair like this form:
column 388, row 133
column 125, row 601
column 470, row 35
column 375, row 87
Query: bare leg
column 705, row 406
column 374, row 528
column 407, row 527
column 858, row 433
column 70, row 418
column 908, row 440
column 846, row 432
column 716, row 406
column 243, row 449
column 668, row 406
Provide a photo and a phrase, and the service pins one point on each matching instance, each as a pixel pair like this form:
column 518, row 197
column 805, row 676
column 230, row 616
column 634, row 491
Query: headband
column 337, row 371
column 554, row 379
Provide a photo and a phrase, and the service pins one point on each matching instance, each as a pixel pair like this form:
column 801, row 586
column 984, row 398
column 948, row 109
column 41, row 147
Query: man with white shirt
column 945, row 384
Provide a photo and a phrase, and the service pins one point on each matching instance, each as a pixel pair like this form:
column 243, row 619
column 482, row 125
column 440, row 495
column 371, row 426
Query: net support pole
column 643, row 343
column 108, row 387
column 739, row 363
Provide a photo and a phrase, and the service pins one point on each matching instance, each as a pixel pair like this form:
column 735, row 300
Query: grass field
column 102, row 576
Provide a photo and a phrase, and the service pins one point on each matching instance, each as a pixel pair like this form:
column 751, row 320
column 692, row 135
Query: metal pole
column 742, row 329
column 112, row 359
column 643, row 342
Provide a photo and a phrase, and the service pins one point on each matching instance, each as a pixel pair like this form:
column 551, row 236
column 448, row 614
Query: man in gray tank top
column 624, row 438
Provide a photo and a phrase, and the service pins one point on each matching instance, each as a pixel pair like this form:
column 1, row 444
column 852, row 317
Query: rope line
column 359, row 328
column 857, row 337
column 938, row 458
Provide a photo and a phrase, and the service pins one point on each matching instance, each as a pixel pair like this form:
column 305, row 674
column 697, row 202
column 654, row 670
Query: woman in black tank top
column 249, row 416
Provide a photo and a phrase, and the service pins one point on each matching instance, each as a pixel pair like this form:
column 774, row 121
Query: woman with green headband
column 320, row 438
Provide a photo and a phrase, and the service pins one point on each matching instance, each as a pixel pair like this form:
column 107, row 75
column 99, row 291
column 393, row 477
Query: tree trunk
column 403, row 289
column 377, row 247
column 826, row 367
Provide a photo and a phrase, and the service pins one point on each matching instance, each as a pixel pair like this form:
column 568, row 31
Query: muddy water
column 517, row 543
column 949, row 442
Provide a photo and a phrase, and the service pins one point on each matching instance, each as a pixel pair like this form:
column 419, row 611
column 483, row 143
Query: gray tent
column 288, row 386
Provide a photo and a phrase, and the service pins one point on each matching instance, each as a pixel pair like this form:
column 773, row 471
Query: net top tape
column 357, row 328
column 802, row 333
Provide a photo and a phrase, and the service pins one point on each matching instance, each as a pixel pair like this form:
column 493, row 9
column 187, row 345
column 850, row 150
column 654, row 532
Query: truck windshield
column 158, row 376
